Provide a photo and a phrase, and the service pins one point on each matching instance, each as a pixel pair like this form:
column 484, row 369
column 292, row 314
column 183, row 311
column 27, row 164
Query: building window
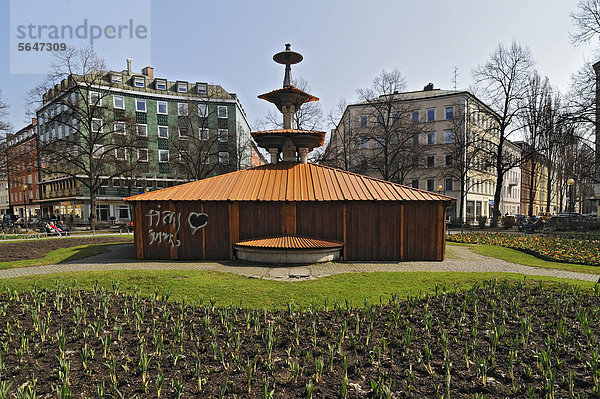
column 222, row 111
column 430, row 184
column 448, row 137
column 140, row 105
column 182, row 87
column 201, row 88
column 143, row 155
column 448, row 160
column 205, row 157
column 161, row 107
column 163, row 156
column 183, row 133
column 119, row 127
column 415, row 116
column 448, row 184
column 116, row 78
column 96, row 125
column 431, row 138
column 182, row 109
column 431, row 115
column 142, row 130
column 430, row 161
column 120, row 153
column 364, row 119
column 223, row 135
column 414, row 183
column 95, row 98
column 183, row 155
column 98, row 151
column 163, row 132
column 449, row 113
column 203, row 134
column 118, row 102
column 160, row 84
column 364, row 144
column 202, row 110
column 415, row 160
column 138, row 81
column 224, row 158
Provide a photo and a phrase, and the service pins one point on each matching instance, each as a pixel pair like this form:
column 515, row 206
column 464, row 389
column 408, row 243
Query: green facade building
column 159, row 133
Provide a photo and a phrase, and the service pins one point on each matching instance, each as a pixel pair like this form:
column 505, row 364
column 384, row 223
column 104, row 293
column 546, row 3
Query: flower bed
column 495, row 340
column 547, row 247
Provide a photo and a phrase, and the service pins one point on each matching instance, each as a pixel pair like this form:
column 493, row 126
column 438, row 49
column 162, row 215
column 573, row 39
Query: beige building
column 442, row 141
column 511, row 186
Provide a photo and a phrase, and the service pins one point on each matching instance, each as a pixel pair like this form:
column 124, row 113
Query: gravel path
column 459, row 259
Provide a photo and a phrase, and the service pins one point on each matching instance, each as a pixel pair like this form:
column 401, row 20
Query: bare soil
column 35, row 249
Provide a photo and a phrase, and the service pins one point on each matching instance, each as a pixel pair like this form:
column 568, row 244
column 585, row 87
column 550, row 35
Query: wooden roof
column 289, row 242
column 290, row 181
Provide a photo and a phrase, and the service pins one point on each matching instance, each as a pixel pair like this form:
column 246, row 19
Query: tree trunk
column 93, row 214
column 549, row 189
column 532, row 189
column 496, row 209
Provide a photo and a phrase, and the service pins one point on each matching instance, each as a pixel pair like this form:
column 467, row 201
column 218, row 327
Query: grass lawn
column 515, row 256
column 226, row 288
column 60, row 255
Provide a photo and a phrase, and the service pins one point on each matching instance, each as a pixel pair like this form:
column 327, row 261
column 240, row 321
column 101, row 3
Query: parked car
column 567, row 215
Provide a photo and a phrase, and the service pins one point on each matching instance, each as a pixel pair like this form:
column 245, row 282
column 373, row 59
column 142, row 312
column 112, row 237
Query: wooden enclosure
column 370, row 230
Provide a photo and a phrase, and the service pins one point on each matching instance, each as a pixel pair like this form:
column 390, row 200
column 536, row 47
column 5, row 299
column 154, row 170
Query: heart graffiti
column 197, row 221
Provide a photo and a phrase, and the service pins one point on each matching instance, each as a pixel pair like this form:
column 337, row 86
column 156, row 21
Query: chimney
column 148, row 71
column 129, row 66
column 428, row 87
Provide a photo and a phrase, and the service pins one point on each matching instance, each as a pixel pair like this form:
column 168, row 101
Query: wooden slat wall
column 371, row 230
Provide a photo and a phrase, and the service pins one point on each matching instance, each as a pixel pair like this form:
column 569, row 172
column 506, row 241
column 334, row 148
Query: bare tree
column 468, row 153
column 387, row 133
column 82, row 136
column 341, row 149
column 5, row 128
column 586, row 20
column 503, row 81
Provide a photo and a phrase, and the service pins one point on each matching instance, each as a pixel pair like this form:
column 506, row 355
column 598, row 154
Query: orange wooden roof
column 290, row 181
column 289, row 242
column 291, row 133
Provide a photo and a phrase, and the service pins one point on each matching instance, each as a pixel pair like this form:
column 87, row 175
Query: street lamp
column 24, row 188
column 570, row 183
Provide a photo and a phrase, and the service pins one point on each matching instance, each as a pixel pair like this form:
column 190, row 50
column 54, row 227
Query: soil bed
column 499, row 340
column 35, row 249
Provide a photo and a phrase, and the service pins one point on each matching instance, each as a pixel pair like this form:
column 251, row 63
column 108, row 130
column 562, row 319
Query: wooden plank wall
column 371, row 230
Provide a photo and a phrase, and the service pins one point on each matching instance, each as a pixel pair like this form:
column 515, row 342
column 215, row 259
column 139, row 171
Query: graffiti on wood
column 171, row 219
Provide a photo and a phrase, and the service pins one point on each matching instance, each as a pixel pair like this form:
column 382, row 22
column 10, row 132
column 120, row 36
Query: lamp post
column 24, row 188
column 440, row 188
column 570, row 183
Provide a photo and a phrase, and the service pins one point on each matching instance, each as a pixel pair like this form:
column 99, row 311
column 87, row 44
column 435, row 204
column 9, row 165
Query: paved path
column 459, row 259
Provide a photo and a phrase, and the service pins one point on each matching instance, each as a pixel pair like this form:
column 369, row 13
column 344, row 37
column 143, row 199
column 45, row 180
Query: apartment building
column 510, row 200
column 23, row 171
column 542, row 187
column 448, row 138
column 183, row 131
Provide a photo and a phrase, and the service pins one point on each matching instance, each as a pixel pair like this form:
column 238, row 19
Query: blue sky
column 345, row 43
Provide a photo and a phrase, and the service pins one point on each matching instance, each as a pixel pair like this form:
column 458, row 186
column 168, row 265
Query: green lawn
column 226, row 288
column 60, row 255
column 515, row 256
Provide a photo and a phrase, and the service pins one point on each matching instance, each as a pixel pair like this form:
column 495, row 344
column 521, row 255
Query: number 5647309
column 41, row 46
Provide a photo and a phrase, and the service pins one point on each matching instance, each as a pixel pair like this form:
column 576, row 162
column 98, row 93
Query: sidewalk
column 459, row 259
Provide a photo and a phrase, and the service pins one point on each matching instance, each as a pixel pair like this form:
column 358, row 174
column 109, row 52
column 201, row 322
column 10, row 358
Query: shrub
column 508, row 222
column 481, row 221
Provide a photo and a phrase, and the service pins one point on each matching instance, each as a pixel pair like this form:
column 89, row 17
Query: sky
column 345, row 43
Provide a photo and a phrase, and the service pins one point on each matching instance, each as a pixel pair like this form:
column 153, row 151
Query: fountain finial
column 287, row 58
